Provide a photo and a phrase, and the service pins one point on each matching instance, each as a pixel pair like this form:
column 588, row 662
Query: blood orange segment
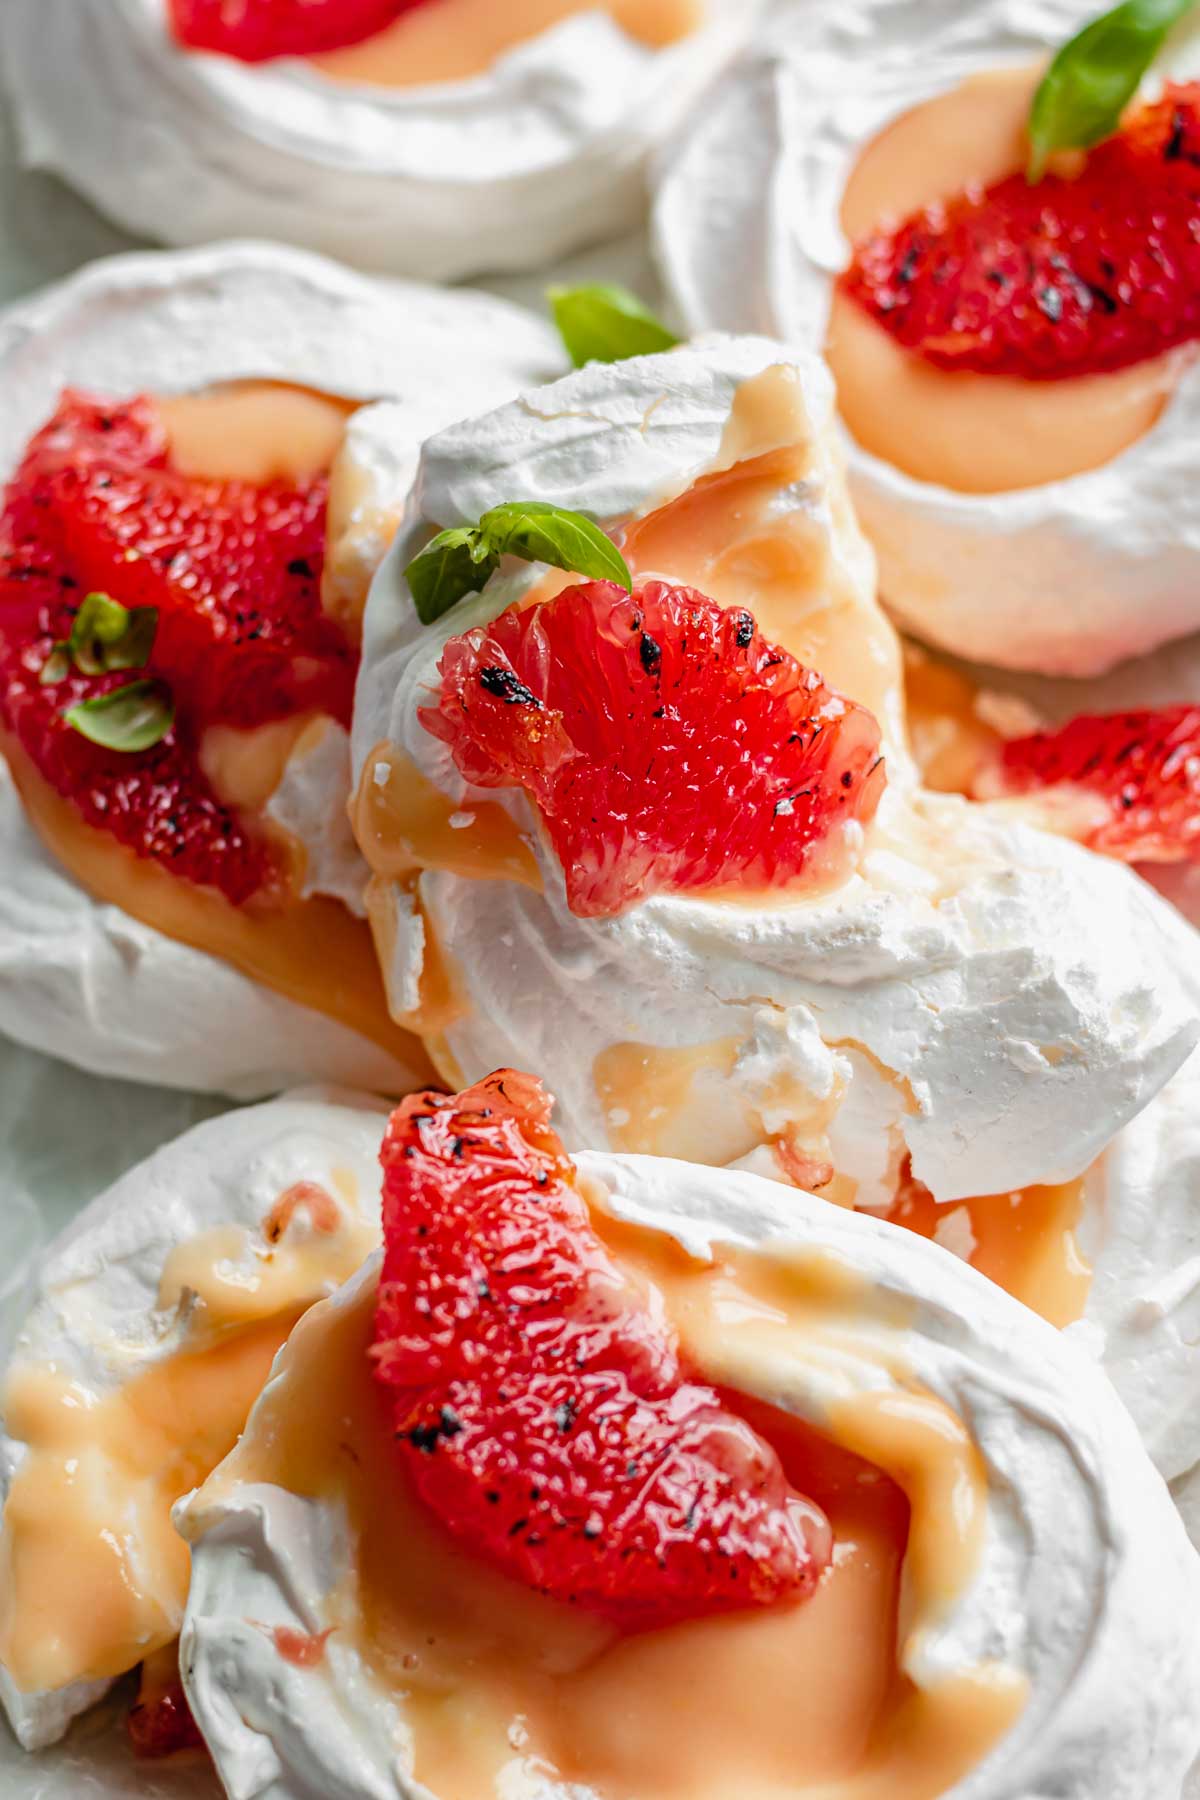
column 667, row 744
column 539, row 1401
column 1067, row 276
column 1142, row 767
column 234, row 573
column 160, row 1722
column 256, row 30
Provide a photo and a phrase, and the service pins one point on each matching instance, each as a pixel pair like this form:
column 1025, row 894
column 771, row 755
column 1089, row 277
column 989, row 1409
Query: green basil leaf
column 57, row 665
column 107, row 635
column 130, row 718
column 603, row 323
column 539, row 532
column 453, row 564
column 1095, row 75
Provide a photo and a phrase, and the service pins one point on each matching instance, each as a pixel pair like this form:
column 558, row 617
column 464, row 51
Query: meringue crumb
column 953, row 1232
column 618, row 1116
column 379, row 774
column 459, row 821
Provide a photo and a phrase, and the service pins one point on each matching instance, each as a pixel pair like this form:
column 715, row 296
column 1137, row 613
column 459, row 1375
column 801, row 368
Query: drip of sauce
column 313, row 951
column 245, row 766
column 404, row 824
column 763, row 1704
column 1026, row 1242
column 728, row 536
column 93, row 1576
column 978, row 434
column 452, row 40
column 425, row 1000
column 949, row 740
column 679, row 1102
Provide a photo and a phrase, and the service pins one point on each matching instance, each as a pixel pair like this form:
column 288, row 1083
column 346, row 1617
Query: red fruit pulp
column 160, row 1723
column 667, row 744
column 256, row 30
column 234, row 571
column 1066, row 276
column 1144, row 765
column 539, row 1403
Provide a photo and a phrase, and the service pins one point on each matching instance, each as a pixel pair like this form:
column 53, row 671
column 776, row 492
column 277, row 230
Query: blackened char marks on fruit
column 1067, row 276
column 1140, row 769
column 667, row 744
column 540, row 1403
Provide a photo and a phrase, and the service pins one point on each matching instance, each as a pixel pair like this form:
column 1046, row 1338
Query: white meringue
column 84, row 981
column 1086, row 1583
column 1021, row 998
column 1068, row 577
column 544, row 152
column 92, row 1300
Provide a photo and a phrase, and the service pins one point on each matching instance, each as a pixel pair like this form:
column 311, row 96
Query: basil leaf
column 603, row 323
column 453, row 564
column 57, row 665
column 540, row 532
column 107, row 635
column 130, row 718
column 1095, row 75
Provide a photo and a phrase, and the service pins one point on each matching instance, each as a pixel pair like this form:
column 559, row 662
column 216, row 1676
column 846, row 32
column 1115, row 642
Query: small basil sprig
column 104, row 636
column 1095, row 75
column 605, row 323
column 130, row 718
column 462, row 560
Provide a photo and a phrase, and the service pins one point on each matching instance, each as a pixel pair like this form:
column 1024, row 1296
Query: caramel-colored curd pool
column 978, row 434
column 809, row 1698
column 93, row 1576
column 453, row 40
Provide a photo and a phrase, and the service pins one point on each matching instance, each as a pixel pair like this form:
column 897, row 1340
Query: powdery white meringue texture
column 544, row 152
column 998, row 1007
column 1069, row 577
column 84, row 981
column 1086, row 1583
column 92, row 1297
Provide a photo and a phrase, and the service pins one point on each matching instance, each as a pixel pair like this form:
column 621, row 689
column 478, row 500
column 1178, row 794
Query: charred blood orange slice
column 1065, row 276
column 667, row 744
column 233, row 572
column 538, row 1398
column 256, row 30
column 1143, row 767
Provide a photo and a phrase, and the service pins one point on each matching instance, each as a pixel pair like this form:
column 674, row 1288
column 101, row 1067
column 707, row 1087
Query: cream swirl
column 543, row 152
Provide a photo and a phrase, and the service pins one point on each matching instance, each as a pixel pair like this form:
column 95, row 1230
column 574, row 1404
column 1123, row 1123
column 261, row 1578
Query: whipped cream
column 1085, row 1583
column 545, row 151
column 94, row 1306
column 989, row 998
column 84, row 981
column 1068, row 577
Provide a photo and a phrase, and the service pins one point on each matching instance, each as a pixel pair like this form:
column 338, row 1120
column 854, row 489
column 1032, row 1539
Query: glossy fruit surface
column 1072, row 275
column 1142, row 770
column 257, row 30
column 538, row 1398
column 668, row 746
